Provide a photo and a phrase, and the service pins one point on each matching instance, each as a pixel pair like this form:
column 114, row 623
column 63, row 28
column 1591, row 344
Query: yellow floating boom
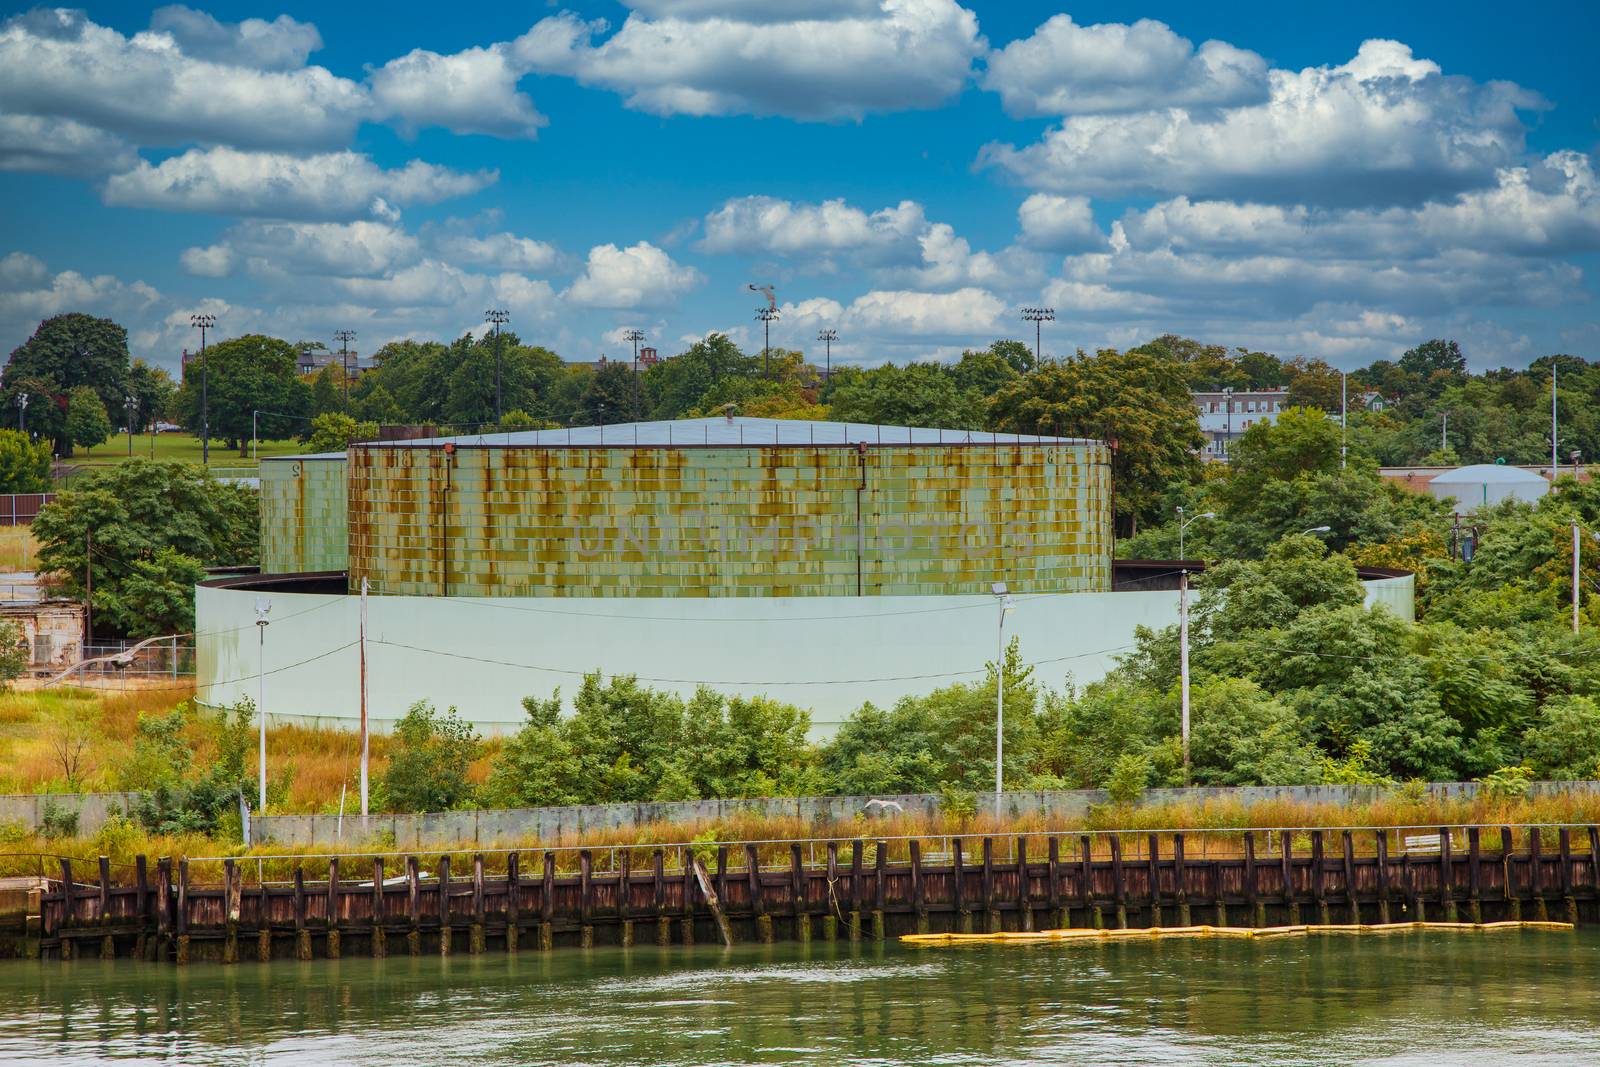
column 1303, row 930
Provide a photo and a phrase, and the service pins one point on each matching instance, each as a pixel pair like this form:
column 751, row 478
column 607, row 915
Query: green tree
column 428, row 762
column 152, row 390
column 1242, row 736
column 67, row 351
column 134, row 510
column 24, row 464
column 335, row 431
column 87, row 422
column 613, row 395
column 1563, row 743
column 326, row 394
column 1139, row 401
column 917, row 394
column 678, row 385
column 248, row 374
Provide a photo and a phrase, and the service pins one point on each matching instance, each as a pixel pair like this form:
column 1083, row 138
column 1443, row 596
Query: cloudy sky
column 1338, row 180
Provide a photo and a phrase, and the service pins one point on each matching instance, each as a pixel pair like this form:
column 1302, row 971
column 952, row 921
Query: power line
column 739, row 682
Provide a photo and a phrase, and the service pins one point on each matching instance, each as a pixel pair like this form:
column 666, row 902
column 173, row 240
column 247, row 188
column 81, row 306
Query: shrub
column 1130, row 776
column 429, row 760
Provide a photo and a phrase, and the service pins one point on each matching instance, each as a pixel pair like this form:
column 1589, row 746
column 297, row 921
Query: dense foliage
column 152, row 528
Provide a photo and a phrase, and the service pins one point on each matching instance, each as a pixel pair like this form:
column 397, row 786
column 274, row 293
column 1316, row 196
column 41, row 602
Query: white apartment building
column 1225, row 414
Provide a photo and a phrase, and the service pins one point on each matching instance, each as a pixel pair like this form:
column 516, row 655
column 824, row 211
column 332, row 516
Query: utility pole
column 263, row 609
column 1038, row 316
column 1444, row 431
column 1555, row 463
column 1183, row 663
column 1227, row 406
column 1003, row 597
column 132, row 403
column 364, row 750
column 1575, row 551
column 497, row 316
column 827, row 337
column 344, row 337
column 204, row 323
column 88, row 588
column 1344, row 416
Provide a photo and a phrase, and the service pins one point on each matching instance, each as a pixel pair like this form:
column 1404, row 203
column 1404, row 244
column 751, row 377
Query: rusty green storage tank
column 304, row 513
column 721, row 507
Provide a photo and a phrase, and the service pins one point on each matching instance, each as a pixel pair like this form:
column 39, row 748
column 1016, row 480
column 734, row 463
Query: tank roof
column 739, row 430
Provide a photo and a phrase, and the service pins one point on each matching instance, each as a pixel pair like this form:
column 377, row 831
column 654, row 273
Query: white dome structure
column 1482, row 484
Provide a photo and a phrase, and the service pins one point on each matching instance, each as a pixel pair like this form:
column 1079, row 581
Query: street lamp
column 1002, row 597
column 263, row 609
column 1316, row 529
column 497, row 316
column 204, row 323
column 1183, row 524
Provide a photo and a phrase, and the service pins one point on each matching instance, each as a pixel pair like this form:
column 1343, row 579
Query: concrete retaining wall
column 93, row 808
column 464, row 829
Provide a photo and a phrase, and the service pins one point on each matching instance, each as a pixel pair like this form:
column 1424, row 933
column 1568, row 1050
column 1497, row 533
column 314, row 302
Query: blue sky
column 1340, row 181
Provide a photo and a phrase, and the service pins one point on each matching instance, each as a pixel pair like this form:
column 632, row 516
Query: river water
column 1422, row 998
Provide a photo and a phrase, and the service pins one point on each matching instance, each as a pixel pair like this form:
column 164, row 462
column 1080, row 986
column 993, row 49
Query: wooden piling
column 1352, row 899
column 1541, row 912
column 1091, row 907
column 1318, row 878
column 547, row 899
column 330, row 941
column 686, row 860
column 991, row 911
column 1119, row 889
column 379, row 947
column 880, row 888
column 797, row 894
column 1381, row 843
column 1447, row 876
column 141, row 881
column 1251, row 895
column 1180, row 880
column 181, row 947
column 413, row 906
column 918, row 903
column 1058, row 912
column 1153, row 865
column 856, row 894
column 514, row 897
column 446, row 918
column 958, row 872
column 230, row 912
column 1291, row 898
column 302, row 936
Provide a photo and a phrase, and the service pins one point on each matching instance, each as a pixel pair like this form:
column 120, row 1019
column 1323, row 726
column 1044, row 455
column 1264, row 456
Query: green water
column 1524, row 997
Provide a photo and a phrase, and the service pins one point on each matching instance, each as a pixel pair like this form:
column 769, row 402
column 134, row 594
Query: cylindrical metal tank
column 489, row 518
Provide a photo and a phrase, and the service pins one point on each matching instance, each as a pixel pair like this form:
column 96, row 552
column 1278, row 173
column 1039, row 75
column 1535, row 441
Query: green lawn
column 176, row 446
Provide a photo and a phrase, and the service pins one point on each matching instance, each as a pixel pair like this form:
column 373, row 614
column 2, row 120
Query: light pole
column 22, row 412
column 132, row 403
column 497, row 316
column 1227, row 406
column 1575, row 551
column 1344, row 417
column 263, row 609
column 827, row 337
column 1183, row 524
column 766, row 315
column 635, row 335
column 344, row 337
column 204, row 323
column 1183, row 664
column 1002, row 597
column 1038, row 316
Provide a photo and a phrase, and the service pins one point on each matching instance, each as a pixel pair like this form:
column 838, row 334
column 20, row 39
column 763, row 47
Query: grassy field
column 18, row 550
column 181, row 447
column 41, row 732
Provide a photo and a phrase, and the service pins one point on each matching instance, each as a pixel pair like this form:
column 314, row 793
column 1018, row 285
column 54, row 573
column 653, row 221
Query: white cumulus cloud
column 1384, row 128
column 58, row 64
column 842, row 60
column 1059, row 223
column 332, row 185
column 505, row 250
column 1068, row 69
column 969, row 312
column 282, row 44
column 640, row 275
column 472, row 91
